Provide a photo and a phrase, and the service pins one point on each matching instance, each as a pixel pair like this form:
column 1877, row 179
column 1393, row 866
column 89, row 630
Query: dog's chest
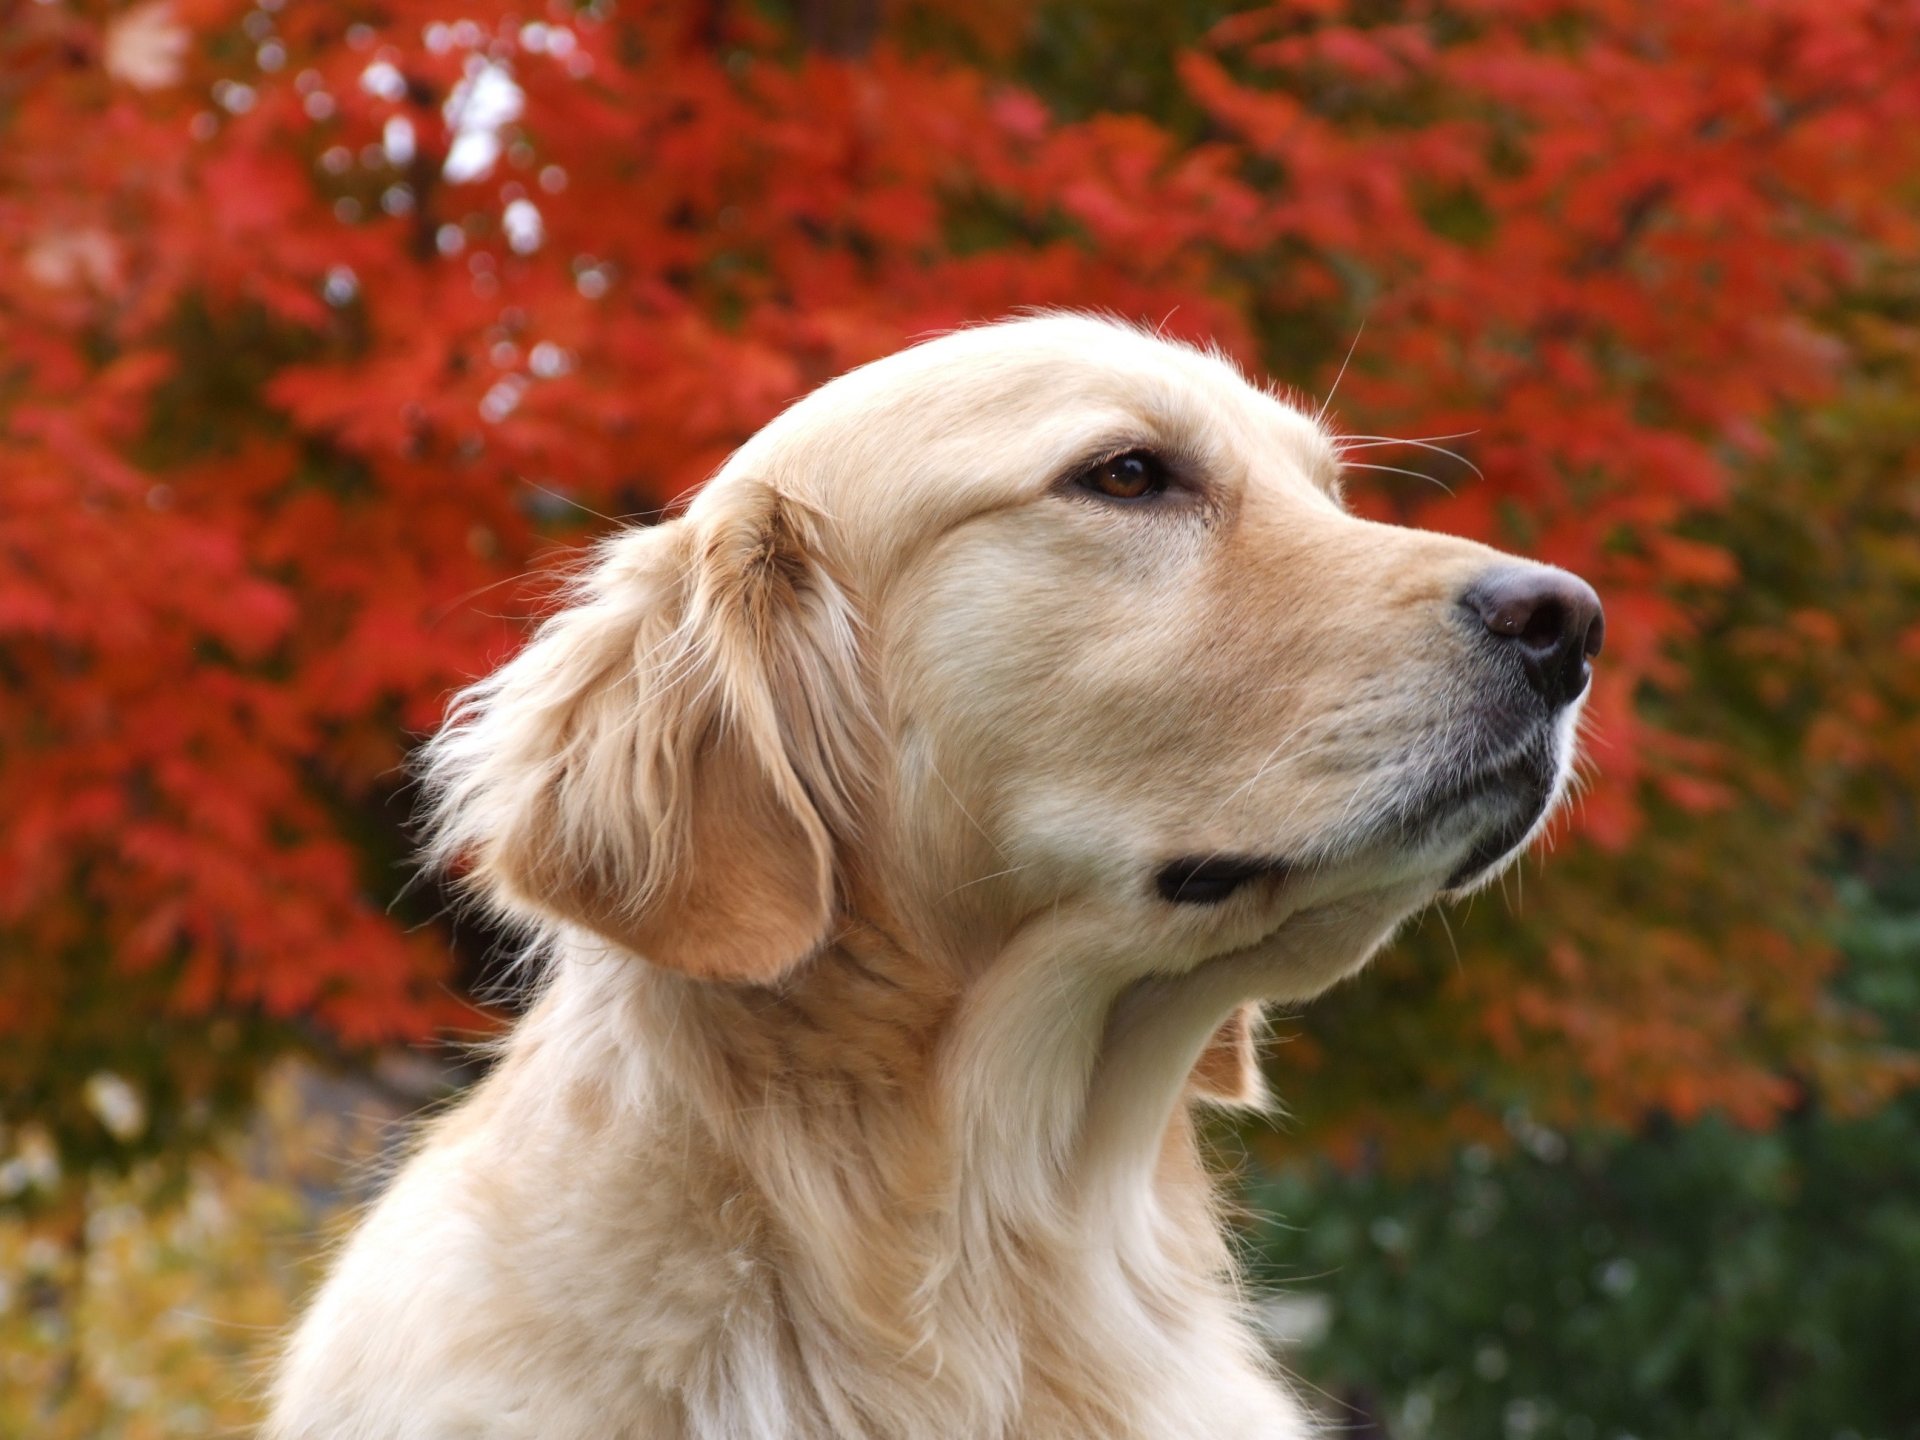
column 1002, row 1355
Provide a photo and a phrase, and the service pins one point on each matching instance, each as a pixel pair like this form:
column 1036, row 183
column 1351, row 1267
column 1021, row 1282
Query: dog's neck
column 913, row 1128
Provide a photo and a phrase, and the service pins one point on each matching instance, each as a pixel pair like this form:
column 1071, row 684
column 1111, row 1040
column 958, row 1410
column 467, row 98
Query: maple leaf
column 326, row 341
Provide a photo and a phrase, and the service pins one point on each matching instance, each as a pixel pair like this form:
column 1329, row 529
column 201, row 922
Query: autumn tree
column 327, row 331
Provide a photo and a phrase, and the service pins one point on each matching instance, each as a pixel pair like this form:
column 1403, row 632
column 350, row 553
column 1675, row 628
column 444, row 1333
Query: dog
column 913, row 828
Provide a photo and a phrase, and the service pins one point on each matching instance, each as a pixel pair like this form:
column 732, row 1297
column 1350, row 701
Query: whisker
column 1410, row 439
column 961, row 806
column 995, row 875
column 1332, row 390
column 1395, row 470
column 1452, row 943
column 1374, row 442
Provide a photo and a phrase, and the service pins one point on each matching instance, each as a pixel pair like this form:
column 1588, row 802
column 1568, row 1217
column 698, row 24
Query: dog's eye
column 1136, row 475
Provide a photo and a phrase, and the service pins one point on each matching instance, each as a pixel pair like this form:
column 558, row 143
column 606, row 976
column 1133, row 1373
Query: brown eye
column 1136, row 475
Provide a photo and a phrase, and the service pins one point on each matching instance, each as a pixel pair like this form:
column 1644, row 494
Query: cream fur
column 855, row 1101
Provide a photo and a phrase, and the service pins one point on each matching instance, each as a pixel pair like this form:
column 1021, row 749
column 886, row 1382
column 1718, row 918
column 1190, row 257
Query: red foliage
column 323, row 324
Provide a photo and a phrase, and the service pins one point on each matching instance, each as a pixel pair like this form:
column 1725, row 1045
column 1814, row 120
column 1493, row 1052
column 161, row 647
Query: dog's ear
column 1228, row 1070
column 674, row 758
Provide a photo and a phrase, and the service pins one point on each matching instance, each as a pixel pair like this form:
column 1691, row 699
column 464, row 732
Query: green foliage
column 1700, row 1282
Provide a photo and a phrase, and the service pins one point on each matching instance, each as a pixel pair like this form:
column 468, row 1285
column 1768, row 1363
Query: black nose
column 1550, row 619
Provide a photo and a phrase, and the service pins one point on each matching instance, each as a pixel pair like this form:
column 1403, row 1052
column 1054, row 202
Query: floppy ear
column 672, row 759
column 1228, row 1070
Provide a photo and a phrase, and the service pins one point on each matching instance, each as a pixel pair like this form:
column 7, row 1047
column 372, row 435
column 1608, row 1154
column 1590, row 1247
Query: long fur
column 855, row 1101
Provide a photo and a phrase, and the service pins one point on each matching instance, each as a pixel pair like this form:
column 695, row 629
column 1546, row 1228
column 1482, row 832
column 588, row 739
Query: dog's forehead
column 991, row 381
column 982, row 416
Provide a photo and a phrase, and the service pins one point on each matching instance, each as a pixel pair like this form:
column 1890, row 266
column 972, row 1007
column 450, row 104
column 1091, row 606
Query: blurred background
column 330, row 332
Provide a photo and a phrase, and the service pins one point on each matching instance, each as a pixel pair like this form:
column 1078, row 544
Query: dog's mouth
column 1493, row 806
column 1503, row 800
column 1211, row 879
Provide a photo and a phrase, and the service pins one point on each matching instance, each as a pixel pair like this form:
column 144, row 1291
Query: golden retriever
column 913, row 827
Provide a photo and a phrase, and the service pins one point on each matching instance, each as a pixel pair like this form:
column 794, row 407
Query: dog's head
column 1043, row 614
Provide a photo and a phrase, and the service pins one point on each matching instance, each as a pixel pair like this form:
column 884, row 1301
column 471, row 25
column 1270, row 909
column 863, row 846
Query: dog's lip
column 1521, row 772
column 1528, row 778
column 1211, row 879
column 1494, row 846
column 1502, row 800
